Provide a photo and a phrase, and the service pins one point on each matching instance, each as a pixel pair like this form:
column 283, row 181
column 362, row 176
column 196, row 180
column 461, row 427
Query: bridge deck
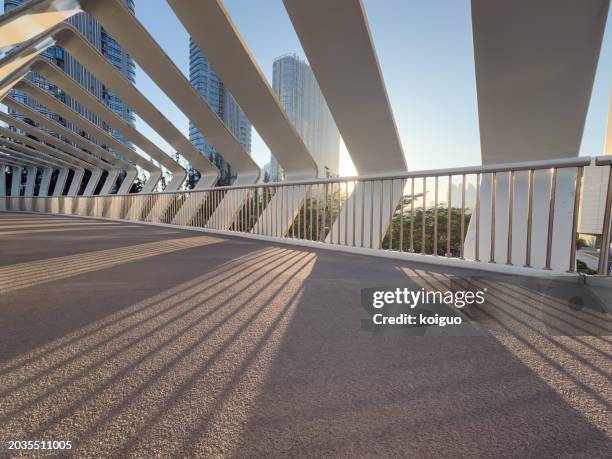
column 128, row 339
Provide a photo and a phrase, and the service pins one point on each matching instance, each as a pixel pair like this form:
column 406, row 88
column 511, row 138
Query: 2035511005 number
column 20, row 445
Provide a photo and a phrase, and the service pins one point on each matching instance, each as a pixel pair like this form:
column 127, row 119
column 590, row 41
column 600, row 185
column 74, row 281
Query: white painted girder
column 336, row 39
column 136, row 40
column 33, row 18
column 60, row 79
column 211, row 28
column 535, row 65
column 81, row 143
column 84, row 124
column 72, row 41
column 84, row 159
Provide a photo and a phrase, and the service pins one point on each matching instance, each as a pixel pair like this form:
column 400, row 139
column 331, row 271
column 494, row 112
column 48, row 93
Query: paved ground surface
column 146, row 341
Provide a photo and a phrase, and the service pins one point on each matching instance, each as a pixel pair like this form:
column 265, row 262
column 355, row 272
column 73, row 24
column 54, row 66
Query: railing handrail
column 335, row 211
column 603, row 160
column 483, row 169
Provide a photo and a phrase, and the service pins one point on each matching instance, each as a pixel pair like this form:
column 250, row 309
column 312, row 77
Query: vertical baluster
column 449, row 216
column 493, row 203
column 510, row 211
column 401, row 226
column 462, row 236
column 411, row 248
column 362, row 230
column 392, row 212
column 435, row 241
column 423, row 219
column 529, row 218
column 551, row 217
column 477, row 242
column 345, row 207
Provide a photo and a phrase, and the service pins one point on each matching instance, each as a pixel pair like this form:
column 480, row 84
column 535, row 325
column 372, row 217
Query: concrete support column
column 77, row 179
column 45, row 181
column 30, row 181
column 16, row 183
column 61, row 182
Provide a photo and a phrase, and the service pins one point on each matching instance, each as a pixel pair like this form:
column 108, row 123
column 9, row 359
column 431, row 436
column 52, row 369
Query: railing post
column 529, row 220
column 510, row 210
column 551, row 217
column 605, row 233
column 577, row 194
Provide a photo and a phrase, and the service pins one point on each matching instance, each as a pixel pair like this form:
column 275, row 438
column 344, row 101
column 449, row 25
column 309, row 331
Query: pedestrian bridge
column 235, row 320
column 148, row 340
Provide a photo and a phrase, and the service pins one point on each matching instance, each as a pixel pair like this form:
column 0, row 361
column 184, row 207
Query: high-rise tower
column 300, row 96
column 208, row 84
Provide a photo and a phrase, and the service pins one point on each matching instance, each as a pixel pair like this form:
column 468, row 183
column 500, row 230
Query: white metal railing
column 516, row 214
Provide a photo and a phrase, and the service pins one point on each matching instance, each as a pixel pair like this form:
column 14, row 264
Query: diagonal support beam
column 535, row 65
column 34, row 18
column 136, row 41
column 336, row 39
column 60, row 79
column 211, row 28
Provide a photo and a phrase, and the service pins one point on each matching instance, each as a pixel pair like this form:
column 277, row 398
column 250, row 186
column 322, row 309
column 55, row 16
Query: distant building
column 300, row 96
column 212, row 89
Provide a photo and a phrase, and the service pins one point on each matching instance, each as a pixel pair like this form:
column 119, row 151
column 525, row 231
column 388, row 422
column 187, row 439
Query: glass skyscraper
column 103, row 42
column 298, row 92
column 212, row 89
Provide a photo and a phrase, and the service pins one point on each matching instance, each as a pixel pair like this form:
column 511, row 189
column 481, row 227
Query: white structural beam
column 93, row 182
column 47, row 100
column 535, row 65
column 111, row 178
column 337, row 42
column 135, row 40
column 61, row 150
column 30, row 180
column 15, row 60
column 82, row 146
column 60, row 79
column 54, row 156
column 33, row 18
column 60, row 183
column 2, row 179
column 45, row 181
column 16, row 181
column 36, row 158
column 46, row 151
column 213, row 31
column 211, row 28
column 72, row 41
column 349, row 75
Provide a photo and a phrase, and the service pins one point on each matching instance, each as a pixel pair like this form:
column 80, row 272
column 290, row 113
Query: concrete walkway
column 145, row 341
